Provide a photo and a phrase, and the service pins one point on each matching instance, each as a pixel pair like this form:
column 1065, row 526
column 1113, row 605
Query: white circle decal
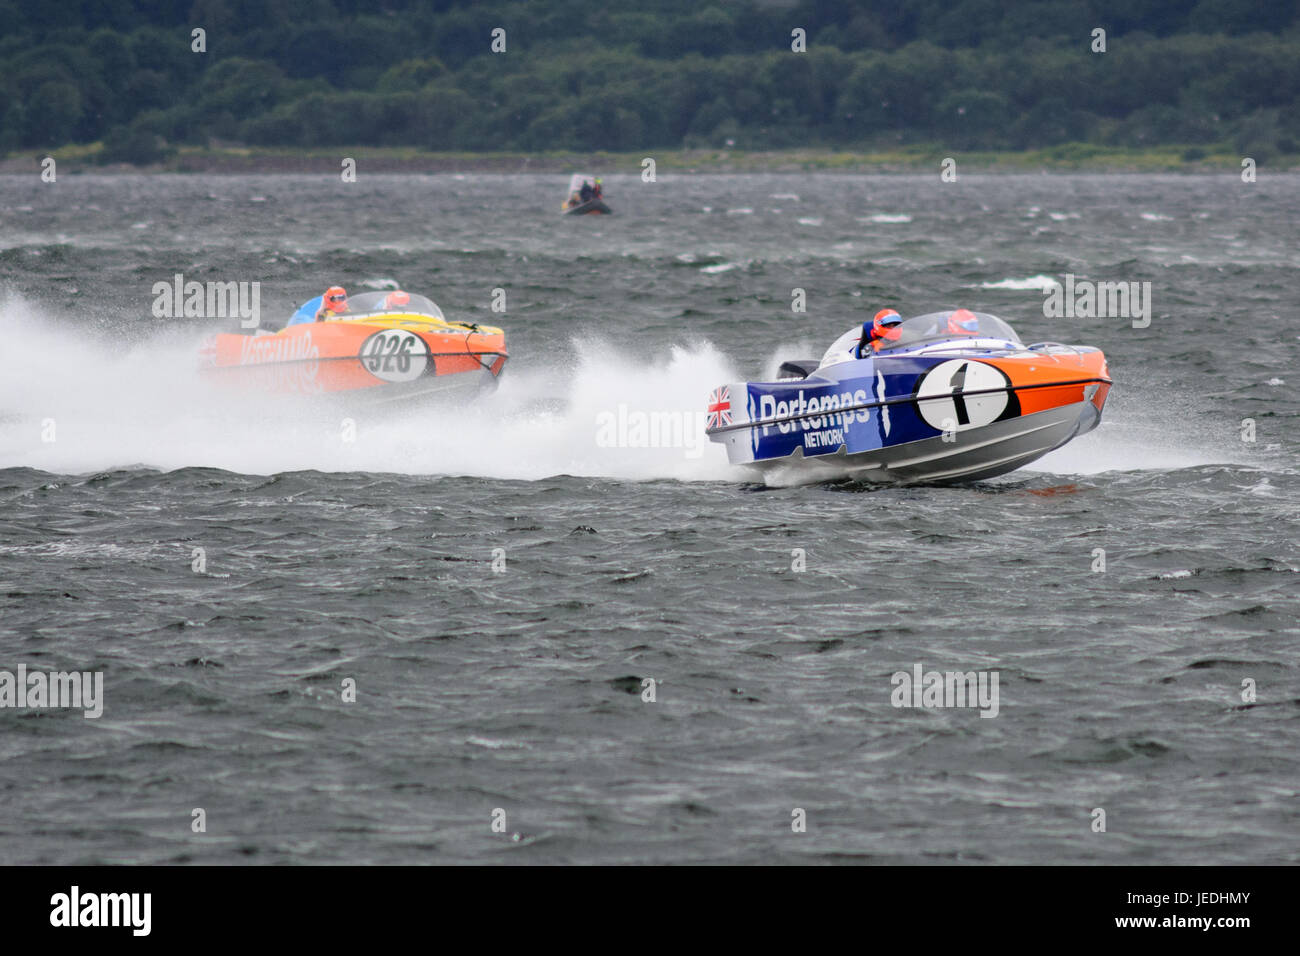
column 945, row 403
column 395, row 355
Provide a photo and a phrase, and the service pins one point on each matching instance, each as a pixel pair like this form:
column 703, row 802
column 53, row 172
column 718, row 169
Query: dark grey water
column 372, row 560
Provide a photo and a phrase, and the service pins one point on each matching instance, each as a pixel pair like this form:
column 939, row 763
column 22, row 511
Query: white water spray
column 72, row 406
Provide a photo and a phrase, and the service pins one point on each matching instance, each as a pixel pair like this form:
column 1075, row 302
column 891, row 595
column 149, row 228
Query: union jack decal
column 719, row 407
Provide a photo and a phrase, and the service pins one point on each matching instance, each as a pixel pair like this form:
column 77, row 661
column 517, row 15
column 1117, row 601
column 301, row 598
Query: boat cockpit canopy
column 938, row 326
column 369, row 303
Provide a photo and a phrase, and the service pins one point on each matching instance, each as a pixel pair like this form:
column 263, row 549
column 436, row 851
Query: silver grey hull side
column 972, row 455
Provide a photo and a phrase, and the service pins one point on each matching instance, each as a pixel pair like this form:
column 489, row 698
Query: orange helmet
column 335, row 299
column 963, row 322
column 396, row 299
column 886, row 325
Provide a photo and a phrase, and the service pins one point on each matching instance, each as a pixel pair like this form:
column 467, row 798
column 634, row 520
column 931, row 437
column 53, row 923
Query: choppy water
column 373, row 560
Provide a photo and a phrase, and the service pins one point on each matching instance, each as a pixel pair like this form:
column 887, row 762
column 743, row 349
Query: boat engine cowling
column 797, row 368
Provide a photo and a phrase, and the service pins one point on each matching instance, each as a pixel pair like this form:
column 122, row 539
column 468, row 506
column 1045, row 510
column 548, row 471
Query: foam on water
column 523, row 676
column 609, row 413
column 599, row 411
column 1125, row 446
column 1021, row 285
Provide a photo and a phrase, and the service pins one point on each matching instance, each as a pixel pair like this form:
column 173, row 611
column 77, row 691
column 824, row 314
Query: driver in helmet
column 397, row 299
column 333, row 302
column 884, row 327
column 963, row 322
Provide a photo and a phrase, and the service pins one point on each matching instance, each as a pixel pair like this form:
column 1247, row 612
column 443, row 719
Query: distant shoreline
column 1072, row 157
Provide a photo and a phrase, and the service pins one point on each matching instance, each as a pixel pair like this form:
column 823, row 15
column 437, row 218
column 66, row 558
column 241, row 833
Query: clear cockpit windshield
column 369, row 303
column 940, row 326
column 577, row 179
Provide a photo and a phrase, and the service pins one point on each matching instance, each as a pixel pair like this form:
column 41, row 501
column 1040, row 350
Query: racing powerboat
column 950, row 396
column 575, row 205
column 385, row 345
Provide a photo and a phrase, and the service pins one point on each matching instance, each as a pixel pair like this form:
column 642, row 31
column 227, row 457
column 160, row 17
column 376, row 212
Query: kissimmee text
column 39, row 689
column 274, row 348
column 103, row 909
column 795, row 408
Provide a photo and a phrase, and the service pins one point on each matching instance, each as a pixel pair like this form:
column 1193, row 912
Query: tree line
column 622, row 76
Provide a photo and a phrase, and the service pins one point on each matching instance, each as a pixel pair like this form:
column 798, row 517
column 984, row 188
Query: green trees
column 54, row 111
column 642, row 74
column 973, row 119
column 901, row 90
column 410, row 75
column 136, row 144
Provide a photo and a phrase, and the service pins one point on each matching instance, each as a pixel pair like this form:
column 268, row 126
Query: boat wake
column 75, row 406
column 1147, row 432
column 1120, row 446
column 78, row 406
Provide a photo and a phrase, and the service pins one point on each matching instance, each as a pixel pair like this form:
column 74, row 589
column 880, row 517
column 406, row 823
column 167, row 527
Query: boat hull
column 971, row 456
column 591, row 207
column 376, row 359
column 934, row 416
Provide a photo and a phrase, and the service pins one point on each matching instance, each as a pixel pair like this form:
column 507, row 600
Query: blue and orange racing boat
column 941, row 401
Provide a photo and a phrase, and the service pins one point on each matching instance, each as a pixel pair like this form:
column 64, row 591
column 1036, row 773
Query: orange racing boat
column 385, row 346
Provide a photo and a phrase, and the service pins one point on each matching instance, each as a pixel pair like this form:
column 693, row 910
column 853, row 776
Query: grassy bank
column 1081, row 157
